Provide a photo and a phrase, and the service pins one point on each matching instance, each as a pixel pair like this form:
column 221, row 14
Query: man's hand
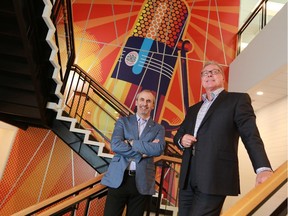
column 154, row 141
column 263, row 176
column 188, row 140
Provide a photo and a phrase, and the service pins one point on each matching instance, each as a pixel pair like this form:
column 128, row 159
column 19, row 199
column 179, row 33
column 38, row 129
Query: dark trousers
column 193, row 202
column 126, row 195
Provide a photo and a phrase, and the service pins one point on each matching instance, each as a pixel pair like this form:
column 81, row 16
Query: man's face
column 212, row 78
column 145, row 104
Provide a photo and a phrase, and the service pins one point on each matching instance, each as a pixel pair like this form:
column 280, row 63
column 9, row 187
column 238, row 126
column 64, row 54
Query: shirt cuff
column 262, row 169
column 179, row 143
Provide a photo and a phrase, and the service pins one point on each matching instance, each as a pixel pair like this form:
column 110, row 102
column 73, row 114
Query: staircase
column 25, row 71
column 28, row 83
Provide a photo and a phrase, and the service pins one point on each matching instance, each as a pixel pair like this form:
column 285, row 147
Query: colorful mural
column 126, row 45
column 40, row 166
column 159, row 45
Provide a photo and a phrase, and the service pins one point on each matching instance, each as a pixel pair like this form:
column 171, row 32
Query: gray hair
column 147, row 91
column 212, row 62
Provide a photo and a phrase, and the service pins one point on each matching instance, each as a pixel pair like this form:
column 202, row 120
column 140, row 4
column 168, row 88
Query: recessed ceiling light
column 259, row 93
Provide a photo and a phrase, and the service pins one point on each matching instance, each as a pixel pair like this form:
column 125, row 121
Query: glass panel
column 251, row 31
column 246, row 9
column 89, row 105
column 253, row 28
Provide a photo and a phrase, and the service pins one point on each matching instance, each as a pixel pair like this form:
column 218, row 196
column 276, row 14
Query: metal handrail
column 253, row 200
column 67, row 200
column 261, row 7
column 75, row 191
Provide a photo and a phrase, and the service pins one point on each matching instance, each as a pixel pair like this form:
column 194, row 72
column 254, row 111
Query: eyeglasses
column 213, row 72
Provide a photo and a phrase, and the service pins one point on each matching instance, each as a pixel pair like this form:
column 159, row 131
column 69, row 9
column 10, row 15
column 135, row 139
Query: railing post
column 158, row 203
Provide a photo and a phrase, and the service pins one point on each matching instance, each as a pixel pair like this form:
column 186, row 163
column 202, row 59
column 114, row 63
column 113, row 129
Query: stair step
column 75, row 141
column 14, row 65
column 24, row 83
column 12, row 47
column 16, row 96
column 7, row 6
column 20, row 110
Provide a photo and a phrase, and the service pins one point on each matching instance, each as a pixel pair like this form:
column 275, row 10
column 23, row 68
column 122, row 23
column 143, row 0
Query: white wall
column 265, row 55
column 272, row 124
column 7, row 136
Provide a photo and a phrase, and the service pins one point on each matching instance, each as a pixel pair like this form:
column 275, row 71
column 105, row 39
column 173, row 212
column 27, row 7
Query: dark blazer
column 230, row 116
column 126, row 128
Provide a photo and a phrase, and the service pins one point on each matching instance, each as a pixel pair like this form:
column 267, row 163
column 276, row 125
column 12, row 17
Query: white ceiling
column 274, row 88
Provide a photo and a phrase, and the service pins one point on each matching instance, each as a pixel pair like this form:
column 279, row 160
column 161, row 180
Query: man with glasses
column 209, row 138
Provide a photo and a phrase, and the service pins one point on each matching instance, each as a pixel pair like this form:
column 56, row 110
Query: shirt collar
column 214, row 94
column 138, row 118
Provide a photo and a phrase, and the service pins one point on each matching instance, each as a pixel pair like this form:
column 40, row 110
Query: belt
column 130, row 172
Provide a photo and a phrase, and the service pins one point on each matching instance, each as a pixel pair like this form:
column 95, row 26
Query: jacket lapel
column 148, row 127
column 214, row 105
column 134, row 123
column 191, row 125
